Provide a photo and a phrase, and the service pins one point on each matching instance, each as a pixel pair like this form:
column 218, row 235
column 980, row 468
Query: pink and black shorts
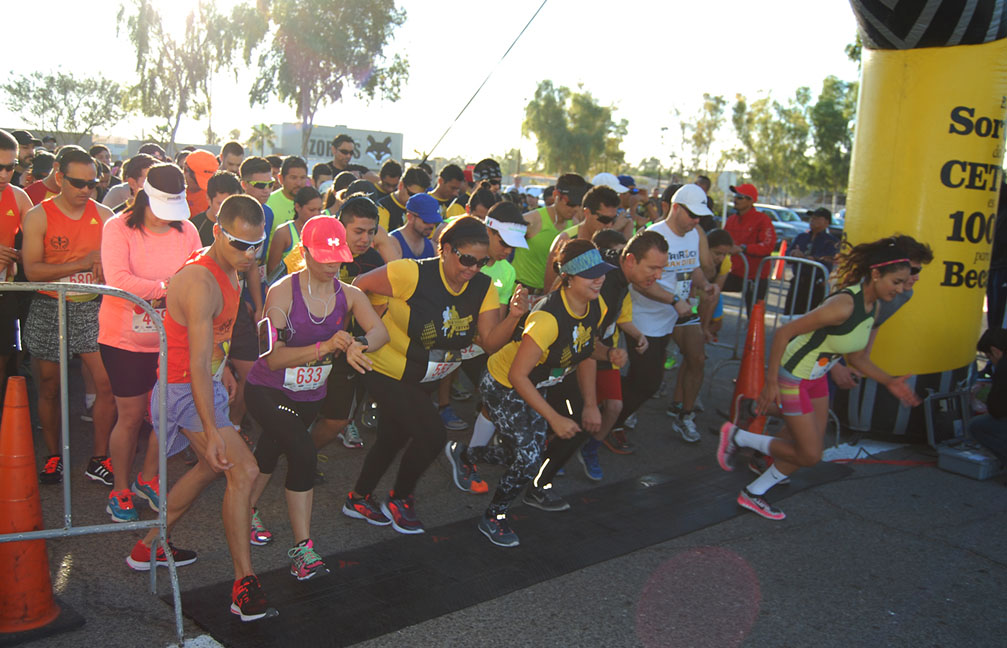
column 796, row 393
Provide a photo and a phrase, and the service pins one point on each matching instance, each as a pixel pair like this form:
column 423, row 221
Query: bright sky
column 646, row 58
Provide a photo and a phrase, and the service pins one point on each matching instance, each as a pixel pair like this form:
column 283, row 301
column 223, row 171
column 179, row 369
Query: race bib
column 825, row 362
column 556, row 376
column 471, row 351
column 683, row 284
column 305, row 378
column 441, row 363
column 143, row 322
column 79, row 278
column 262, row 274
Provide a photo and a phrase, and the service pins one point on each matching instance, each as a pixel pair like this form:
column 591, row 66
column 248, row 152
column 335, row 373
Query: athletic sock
column 482, row 431
column 591, row 446
column 751, row 440
column 766, row 480
column 89, row 400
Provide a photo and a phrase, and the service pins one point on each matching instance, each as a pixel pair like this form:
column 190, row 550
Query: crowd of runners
column 293, row 297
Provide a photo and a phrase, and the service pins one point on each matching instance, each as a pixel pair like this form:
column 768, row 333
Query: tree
column 704, row 131
column 573, row 132
column 58, row 102
column 832, row 120
column 262, row 136
column 319, row 49
column 175, row 74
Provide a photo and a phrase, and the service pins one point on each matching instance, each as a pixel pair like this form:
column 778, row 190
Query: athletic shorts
column 609, row 385
column 41, row 331
column 244, row 338
column 797, row 393
column 132, row 373
column 181, row 412
column 718, row 310
column 339, row 391
column 9, row 313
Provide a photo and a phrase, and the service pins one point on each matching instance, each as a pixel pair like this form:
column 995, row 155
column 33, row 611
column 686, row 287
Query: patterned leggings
column 522, row 433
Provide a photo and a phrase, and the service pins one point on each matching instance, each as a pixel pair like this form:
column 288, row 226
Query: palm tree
column 262, row 135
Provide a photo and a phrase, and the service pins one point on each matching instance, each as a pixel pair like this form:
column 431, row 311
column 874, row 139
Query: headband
column 884, row 263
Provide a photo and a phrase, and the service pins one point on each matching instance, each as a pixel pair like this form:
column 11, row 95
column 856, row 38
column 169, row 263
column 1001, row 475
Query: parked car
column 838, row 224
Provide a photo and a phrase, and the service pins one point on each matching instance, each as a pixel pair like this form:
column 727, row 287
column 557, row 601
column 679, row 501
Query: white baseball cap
column 610, row 181
column 693, row 198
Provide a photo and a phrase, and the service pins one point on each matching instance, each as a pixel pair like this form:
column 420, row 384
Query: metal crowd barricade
column 69, row 530
column 739, row 335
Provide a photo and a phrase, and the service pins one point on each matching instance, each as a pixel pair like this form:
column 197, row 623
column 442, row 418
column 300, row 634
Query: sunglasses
column 913, row 270
column 241, row 244
column 468, row 260
column 606, row 220
column 692, row 216
column 9, row 168
column 346, row 151
column 494, row 181
column 742, row 197
column 265, row 184
column 81, row 183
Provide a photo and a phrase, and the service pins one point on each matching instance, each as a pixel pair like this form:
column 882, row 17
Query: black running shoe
column 52, row 471
column 544, row 499
column 248, row 601
column 99, row 469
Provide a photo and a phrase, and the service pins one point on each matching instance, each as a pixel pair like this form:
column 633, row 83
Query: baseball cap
column 203, row 164
column 166, row 205
column 513, row 234
column 588, row 265
column 23, row 137
column 693, row 198
column 627, row 181
column 486, row 170
column 426, row 207
column 325, row 238
column 746, row 190
column 154, row 150
column 360, row 186
column 609, row 180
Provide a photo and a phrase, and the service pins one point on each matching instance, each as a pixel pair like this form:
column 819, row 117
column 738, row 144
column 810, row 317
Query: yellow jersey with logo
column 430, row 326
column 565, row 340
column 811, row 355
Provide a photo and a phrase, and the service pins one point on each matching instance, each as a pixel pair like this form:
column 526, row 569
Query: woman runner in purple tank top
column 309, row 311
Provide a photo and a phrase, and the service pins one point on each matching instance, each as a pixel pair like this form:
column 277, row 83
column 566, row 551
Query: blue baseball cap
column 627, row 181
column 426, row 207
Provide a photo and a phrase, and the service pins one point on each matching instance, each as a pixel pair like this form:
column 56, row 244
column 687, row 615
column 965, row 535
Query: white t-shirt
column 653, row 318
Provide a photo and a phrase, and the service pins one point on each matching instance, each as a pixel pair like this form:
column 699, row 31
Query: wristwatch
column 674, row 299
column 361, row 340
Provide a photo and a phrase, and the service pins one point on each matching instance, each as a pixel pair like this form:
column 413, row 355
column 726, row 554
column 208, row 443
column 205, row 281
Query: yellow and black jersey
column 615, row 292
column 565, row 339
column 430, row 327
column 810, row 355
column 391, row 213
column 444, row 204
column 360, row 264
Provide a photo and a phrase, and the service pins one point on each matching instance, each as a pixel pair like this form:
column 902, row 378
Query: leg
column 49, row 404
column 104, row 404
column 690, row 377
column 184, row 492
column 645, row 371
column 238, row 407
column 392, row 435
column 122, row 442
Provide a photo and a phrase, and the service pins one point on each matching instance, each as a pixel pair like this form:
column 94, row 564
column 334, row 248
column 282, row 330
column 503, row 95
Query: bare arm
column 280, row 242
column 387, row 247
column 375, row 282
column 33, row 248
column 587, row 374
column 502, row 324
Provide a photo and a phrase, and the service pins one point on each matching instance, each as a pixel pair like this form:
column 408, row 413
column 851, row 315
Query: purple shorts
column 181, row 413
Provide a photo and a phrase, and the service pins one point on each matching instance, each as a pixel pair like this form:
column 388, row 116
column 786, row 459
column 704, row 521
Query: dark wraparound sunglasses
column 9, row 168
column 468, row 260
column 81, row 183
column 606, row 220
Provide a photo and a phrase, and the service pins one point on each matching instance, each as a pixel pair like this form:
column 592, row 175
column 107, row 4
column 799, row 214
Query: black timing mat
column 407, row 580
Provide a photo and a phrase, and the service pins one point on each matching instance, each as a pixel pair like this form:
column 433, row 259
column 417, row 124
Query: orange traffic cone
column 751, row 374
column 778, row 266
column 26, row 600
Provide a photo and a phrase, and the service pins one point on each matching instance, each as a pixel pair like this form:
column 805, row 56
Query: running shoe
column 248, row 601
column 758, row 505
column 674, row 410
column 402, row 512
column 364, row 508
column 464, row 474
column 544, row 499
column 498, row 531
column 592, row 467
column 697, row 406
column 350, row 436
column 760, row 463
column 686, row 426
column 459, row 393
column 139, row 559
column 630, row 422
column 617, row 442
column 726, row 448
column 451, row 420
column 305, row 562
column 99, row 469
column 260, row 534
column 148, row 491
column 88, row 414
column 52, row 471
column 120, row 506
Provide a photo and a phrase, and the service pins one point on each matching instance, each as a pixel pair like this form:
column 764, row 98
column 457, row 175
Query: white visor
column 166, row 206
column 511, row 233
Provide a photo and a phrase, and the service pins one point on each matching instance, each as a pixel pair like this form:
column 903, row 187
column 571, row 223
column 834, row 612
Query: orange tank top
column 67, row 239
column 10, row 223
column 178, row 335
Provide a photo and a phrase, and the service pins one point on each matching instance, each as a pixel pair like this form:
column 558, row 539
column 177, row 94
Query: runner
column 134, row 172
column 202, row 304
column 62, row 242
column 437, row 307
column 309, row 311
column 392, row 208
column 14, row 204
column 231, row 156
column 544, row 224
column 198, row 166
column 285, row 250
column 600, row 205
column 141, row 248
column 293, row 176
column 389, row 177
column 556, row 338
column 802, row 353
column 449, row 183
column 219, row 187
column 423, row 214
column 485, row 171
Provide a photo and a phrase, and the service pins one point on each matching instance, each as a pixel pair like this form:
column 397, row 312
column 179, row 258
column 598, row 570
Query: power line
column 492, row 70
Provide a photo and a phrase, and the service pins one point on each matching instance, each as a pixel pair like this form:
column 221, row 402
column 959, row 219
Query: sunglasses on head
column 81, row 183
column 468, row 260
column 241, row 244
column 9, row 168
column 262, row 184
column 605, row 220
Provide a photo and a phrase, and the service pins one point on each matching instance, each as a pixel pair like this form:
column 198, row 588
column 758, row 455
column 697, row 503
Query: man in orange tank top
column 62, row 243
column 203, row 303
column 14, row 203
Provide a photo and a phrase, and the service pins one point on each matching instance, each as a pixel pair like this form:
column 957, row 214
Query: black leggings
column 564, row 398
column 285, row 426
column 406, row 417
column 644, row 378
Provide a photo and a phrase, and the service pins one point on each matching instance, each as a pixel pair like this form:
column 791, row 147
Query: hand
column 708, row 334
column 99, row 274
column 7, row 255
column 356, row 357
column 770, row 395
column 683, row 307
column 565, row 428
column 618, row 357
column 902, row 391
column 230, row 383
column 796, row 252
column 642, row 345
column 519, row 302
column 341, row 341
column 216, row 452
column 710, row 289
column 590, row 418
column 736, row 249
column 843, row 376
column 258, row 314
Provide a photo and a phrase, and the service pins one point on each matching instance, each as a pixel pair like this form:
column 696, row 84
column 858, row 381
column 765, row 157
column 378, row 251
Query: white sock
column 754, row 441
column 482, row 431
column 766, row 480
column 89, row 400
